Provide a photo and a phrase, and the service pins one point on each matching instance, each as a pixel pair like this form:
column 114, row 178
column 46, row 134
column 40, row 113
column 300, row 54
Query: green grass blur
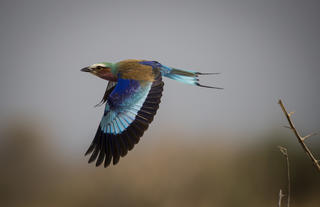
column 171, row 171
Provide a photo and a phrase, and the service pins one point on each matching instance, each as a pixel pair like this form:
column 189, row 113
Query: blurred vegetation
column 172, row 171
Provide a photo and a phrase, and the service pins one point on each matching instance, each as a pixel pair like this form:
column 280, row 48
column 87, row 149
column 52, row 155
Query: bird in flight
column 132, row 99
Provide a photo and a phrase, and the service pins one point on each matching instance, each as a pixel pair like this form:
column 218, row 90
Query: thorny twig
column 284, row 152
column 300, row 138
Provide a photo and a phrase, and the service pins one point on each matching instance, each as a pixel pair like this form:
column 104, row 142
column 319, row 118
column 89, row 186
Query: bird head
column 102, row 70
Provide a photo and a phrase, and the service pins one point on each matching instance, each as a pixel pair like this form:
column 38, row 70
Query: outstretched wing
column 130, row 108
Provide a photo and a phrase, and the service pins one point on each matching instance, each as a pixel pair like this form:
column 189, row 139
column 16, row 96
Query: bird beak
column 86, row 69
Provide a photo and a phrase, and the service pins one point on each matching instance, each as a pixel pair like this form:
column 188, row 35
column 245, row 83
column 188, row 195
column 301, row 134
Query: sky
column 264, row 50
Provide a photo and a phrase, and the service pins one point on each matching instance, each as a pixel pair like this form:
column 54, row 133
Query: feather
column 128, row 140
column 90, row 149
column 108, row 159
column 94, row 154
column 109, row 89
column 123, row 146
column 102, row 152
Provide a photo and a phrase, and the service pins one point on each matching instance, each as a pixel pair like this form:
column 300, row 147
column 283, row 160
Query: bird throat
column 107, row 76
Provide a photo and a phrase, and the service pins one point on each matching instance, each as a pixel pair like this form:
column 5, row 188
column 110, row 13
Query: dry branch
column 284, row 152
column 300, row 138
column 281, row 195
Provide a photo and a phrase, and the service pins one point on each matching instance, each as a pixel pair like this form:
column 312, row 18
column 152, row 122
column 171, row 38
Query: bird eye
column 99, row 67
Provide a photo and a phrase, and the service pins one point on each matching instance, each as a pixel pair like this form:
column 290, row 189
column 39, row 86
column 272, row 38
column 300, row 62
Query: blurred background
column 205, row 147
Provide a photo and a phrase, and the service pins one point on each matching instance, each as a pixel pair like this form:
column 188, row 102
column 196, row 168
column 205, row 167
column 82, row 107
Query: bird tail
column 185, row 76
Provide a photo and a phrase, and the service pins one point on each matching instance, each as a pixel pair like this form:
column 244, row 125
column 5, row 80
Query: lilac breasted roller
column 132, row 99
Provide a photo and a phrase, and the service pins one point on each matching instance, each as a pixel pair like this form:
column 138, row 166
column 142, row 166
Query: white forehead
column 96, row 65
